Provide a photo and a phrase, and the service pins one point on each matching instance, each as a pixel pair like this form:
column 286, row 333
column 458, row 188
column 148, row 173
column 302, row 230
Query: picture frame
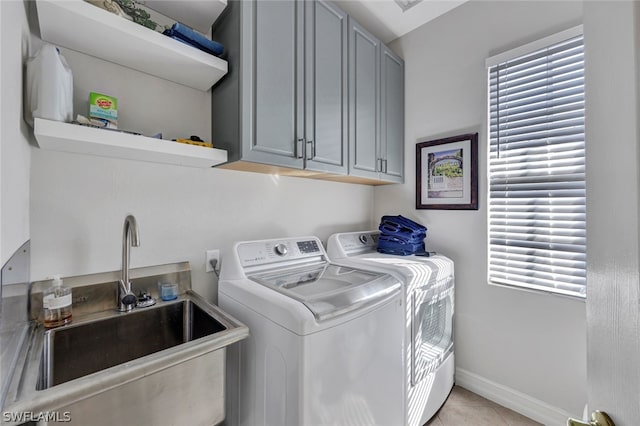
column 447, row 173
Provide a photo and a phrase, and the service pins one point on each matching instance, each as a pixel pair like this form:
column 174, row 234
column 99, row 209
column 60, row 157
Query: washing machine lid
column 329, row 290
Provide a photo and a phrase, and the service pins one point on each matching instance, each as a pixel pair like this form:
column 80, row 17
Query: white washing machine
column 428, row 284
column 324, row 347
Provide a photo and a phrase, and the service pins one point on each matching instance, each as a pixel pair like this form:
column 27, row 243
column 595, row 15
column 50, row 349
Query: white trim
column 534, row 45
column 510, row 398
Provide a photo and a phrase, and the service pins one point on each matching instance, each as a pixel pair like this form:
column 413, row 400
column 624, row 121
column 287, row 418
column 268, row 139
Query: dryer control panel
column 353, row 243
column 266, row 252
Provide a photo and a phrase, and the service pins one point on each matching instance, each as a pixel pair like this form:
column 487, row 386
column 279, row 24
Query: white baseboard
column 517, row 401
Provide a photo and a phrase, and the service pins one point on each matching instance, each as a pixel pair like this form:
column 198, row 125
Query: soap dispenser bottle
column 56, row 302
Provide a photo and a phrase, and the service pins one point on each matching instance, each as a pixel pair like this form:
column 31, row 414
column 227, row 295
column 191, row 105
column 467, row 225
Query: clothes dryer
column 428, row 295
column 324, row 347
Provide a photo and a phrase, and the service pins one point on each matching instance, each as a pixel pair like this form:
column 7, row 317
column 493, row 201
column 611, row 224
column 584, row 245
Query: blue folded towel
column 186, row 35
column 401, row 249
column 399, row 223
column 402, row 227
column 399, row 240
column 401, row 236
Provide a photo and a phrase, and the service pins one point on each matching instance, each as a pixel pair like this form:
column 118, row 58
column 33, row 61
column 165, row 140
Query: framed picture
column 447, row 173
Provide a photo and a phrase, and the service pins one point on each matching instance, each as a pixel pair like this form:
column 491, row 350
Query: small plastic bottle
column 56, row 301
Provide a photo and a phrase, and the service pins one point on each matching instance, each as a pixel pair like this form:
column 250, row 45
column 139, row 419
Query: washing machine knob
column 364, row 239
column 281, row 249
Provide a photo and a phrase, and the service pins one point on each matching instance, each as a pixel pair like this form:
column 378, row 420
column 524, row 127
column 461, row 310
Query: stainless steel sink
column 163, row 364
column 76, row 351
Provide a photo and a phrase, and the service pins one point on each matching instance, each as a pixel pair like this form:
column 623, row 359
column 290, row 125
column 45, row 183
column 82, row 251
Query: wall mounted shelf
column 65, row 137
column 80, row 26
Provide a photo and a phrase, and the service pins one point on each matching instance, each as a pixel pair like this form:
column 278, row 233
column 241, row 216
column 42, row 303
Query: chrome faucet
column 126, row 299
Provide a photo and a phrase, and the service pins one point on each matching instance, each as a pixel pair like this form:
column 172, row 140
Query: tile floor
column 465, row 408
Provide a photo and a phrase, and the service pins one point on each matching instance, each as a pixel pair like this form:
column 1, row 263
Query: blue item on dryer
column 188, row 36
column 399, row 225
column 401, row 236
column 399, row 247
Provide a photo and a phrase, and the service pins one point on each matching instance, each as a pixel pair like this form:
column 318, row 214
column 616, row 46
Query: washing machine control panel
column 256, row 253
column 310, row 246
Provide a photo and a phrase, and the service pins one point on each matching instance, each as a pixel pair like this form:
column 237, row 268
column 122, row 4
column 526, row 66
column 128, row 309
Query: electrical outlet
column 210, row 255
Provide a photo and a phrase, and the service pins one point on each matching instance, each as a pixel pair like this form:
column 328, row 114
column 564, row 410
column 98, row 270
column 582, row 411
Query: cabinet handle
column 382, row 165
column 299, row 148
column 311, row 150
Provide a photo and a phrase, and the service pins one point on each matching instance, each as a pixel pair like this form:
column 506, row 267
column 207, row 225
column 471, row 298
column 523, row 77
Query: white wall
column 14, row 133
column 529, row 342
column 78, row 202
column 14, row 178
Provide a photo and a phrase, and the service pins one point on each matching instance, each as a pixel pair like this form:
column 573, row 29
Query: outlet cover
column 209, row 256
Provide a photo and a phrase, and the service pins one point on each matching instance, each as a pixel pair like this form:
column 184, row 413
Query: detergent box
column 104, row 108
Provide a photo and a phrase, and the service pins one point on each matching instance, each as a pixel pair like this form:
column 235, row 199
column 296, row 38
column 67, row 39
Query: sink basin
column 78, row 350
column 160, row 365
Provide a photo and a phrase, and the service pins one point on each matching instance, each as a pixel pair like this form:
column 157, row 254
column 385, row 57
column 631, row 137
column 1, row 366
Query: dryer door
column 431, row 327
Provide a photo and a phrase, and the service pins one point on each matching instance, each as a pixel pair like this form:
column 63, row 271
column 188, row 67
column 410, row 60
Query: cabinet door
column 326, row 131
column 392, row 116
column 364, row 65
column 272, row 82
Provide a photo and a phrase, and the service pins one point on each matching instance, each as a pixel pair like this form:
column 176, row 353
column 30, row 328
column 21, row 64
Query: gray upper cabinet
column 376, row 102
column 309, row 92
column 392, row 116
column 273, row 81
column 292, row 107
column 364, row 83
column 326, row 131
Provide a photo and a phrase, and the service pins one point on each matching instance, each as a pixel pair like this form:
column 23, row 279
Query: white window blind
column 537, row 210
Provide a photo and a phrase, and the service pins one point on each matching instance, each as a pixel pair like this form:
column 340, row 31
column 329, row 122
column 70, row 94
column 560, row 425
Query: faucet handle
column 129, row 298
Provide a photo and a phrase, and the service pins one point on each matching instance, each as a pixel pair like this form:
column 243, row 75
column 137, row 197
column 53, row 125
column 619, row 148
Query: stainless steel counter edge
column 23, row 396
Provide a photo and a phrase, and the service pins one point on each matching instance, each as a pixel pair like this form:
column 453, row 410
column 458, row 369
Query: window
column 537, row 197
